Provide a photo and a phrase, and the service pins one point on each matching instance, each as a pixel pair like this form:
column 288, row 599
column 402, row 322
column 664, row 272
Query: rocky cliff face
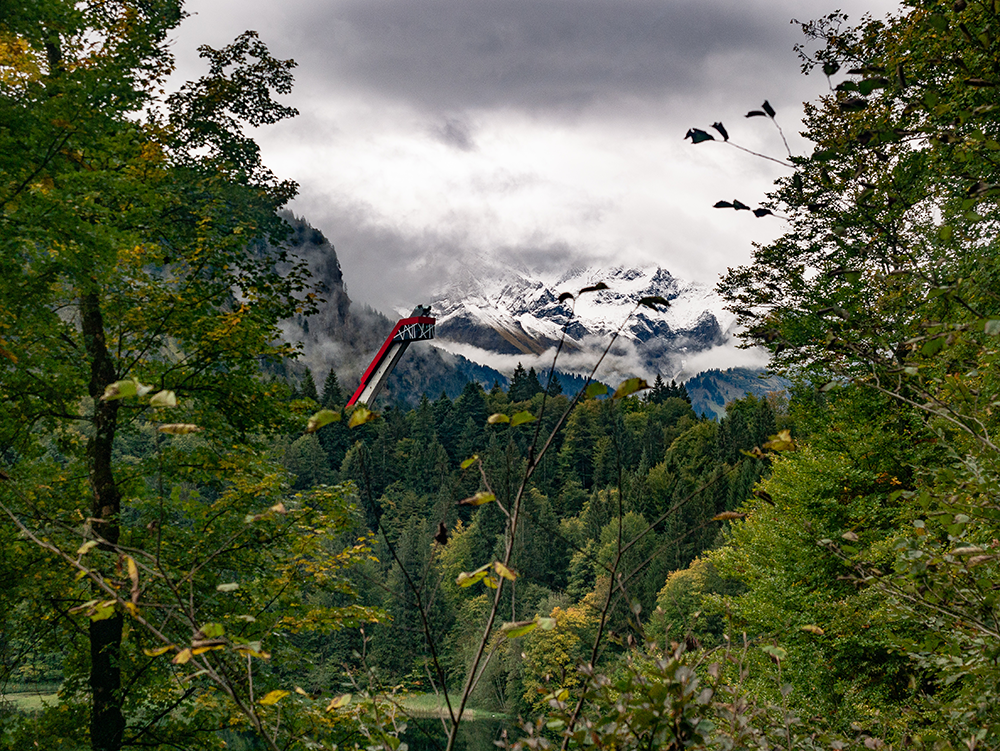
column 344, row 336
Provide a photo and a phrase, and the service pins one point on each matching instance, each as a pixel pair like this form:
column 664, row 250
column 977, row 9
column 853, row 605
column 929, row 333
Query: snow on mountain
column 509, row 310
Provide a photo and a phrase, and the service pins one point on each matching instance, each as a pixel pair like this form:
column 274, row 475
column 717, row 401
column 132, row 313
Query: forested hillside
column 202, row 548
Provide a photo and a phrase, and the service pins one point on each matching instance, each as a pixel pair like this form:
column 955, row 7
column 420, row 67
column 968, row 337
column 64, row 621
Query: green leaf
column 497, row 417
column 273, row 697
column 478, row 499
column 102, row 610
column 938, row 22
column 776, row 652
column 933, row 346
column 546, row 624
column 595, row 389
column 211, row 631
column 629, row 387
column 522, row 417
column 120, row 390
column 513, row 630
column 470, row 461
column 467, row 579
column 230, row 587
column 321, row 418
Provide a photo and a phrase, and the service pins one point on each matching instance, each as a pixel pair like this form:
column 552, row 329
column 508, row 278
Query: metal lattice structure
column 416, row 328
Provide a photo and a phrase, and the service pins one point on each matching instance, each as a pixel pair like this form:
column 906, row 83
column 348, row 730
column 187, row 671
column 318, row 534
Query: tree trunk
column 107, row 723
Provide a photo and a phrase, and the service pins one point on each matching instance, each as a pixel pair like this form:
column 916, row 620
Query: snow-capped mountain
column 513, row 311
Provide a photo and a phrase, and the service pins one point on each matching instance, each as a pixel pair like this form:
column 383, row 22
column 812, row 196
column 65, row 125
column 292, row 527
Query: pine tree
column 682, row 393
column 532, row 385
column 659, row 390
column 308, row 387
column 332, row 395
column 517, row 380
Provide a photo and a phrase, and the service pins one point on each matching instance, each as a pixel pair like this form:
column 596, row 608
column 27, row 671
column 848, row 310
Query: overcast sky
column 546, row 132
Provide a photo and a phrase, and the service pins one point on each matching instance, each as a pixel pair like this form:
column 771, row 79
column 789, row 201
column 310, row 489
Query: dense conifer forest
column 202, row 548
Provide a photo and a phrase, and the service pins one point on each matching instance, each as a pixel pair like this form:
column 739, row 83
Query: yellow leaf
column 781, row 442
column 629, row 387
column 478, row 499
column 87, row 547
column 102, row 611
column 163, row 399
column 273, row 697
column 158, row 651
column 301, row 691
column 727, row 515
column 503, row 571
column 498, row 417
column 813, row 629
column 182, row 657
column 338, row 701
column 321, row 418
column 360, row 416
column 466, row 579
column 470, row 461
column 202, row 650
column 179, row 428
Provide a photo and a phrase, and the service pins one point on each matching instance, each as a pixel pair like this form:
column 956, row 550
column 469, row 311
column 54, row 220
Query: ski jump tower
column 417, row 328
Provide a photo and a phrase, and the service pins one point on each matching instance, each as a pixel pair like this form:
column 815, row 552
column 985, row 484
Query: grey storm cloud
column 453, row 55
column 391, row 268
column 455, row 132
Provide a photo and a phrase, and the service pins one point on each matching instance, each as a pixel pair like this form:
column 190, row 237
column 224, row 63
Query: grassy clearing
column 432, row 705
column 30, row 701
